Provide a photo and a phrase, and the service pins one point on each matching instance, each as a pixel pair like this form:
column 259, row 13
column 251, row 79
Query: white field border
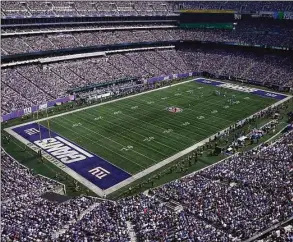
column 141, row 174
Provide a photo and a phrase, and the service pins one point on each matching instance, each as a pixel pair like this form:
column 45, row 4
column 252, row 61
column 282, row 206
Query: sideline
column 98, row 104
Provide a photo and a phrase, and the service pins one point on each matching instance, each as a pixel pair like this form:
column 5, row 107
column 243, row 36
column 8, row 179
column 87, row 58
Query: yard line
column 207, row 114
column 126, row 129
column 199, row 112
column 216, row 103
column 164, row 135
column 154, row 124
column 125, row 137
column 199, row 122
column 191, row 119
column 176, row 126
column 141, row 127
column 96, row 142
column 204, row 101
column 114, row 141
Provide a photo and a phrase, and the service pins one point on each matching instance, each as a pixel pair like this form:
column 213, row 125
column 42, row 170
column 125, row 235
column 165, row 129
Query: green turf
column 138, row 132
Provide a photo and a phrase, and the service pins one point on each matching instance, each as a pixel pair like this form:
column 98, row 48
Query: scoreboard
column 207, row 25
column 208, row 19
column 187, row 16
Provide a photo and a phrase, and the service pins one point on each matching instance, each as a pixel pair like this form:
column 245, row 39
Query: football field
column 138, row 132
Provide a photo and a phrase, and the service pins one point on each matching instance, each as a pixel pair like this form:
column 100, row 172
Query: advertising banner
column 29, row 110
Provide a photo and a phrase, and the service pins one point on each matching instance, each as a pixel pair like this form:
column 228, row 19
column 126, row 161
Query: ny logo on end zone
column 88, row 165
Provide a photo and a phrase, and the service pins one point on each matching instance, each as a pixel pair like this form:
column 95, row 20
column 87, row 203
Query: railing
column 268, row 230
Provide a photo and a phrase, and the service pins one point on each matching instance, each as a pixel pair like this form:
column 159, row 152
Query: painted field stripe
column 74, row 147
column 99, row 144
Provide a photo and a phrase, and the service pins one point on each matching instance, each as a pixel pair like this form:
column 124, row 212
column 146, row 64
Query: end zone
column 236, row 87
column 89, row 169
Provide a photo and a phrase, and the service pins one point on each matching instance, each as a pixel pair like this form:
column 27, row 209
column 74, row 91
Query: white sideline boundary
column 99, row 104
column 139, row 175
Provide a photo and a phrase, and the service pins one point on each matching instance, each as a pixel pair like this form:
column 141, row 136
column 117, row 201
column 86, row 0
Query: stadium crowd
column 85, row 8
column 230, row 201
column 28, row 85
column 25, row 215
column 238, row 5
column 17, row 180
column 134, row 8
column 247, row 33
column 104, row 223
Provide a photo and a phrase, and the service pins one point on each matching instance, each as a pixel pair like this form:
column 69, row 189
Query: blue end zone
column 236, row 87
column 103, row 174
column 269, row 94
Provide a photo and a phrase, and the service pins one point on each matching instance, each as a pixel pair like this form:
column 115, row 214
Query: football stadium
column 146, row 121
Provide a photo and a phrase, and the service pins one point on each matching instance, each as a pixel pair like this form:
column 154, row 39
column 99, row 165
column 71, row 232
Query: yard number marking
column 98, row 118
column 185, row 124
column 167, row 131
column 76, row 125
column 149, row 139
column 127, row 148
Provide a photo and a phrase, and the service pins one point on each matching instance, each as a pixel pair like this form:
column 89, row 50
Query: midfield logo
column 174, row 109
